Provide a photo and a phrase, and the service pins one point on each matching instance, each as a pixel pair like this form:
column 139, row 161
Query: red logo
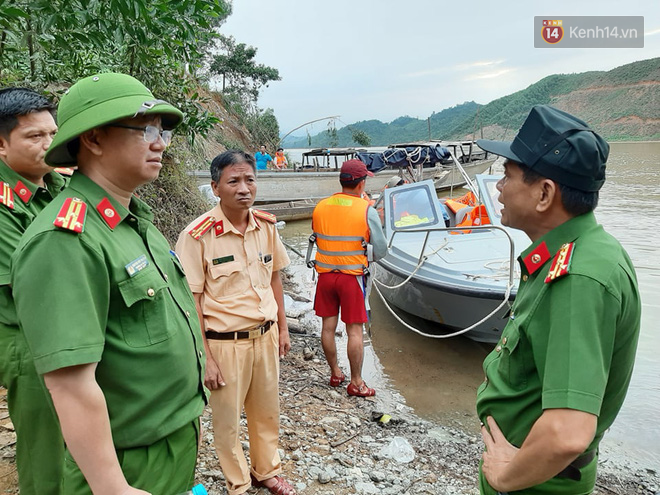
column 552, row 31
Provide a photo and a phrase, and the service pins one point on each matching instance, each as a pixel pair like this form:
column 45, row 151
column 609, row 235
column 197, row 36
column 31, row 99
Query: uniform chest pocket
column 514, row 358
column 228, row 279
column 144, row 316
column 265, row 271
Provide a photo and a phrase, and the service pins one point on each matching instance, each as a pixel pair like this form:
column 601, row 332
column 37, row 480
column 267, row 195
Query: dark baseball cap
column 559, row 146
column 353, row 170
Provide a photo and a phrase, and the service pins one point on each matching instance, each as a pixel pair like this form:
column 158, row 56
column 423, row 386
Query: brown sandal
column 282, row 487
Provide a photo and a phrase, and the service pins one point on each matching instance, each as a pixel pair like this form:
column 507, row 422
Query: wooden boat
column 290, row 210
column 320, row 179
column 287, row 210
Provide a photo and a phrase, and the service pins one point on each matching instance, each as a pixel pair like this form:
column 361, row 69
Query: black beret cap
column 559, row 146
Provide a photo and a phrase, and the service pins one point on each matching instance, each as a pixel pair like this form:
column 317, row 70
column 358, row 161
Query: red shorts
column 336, row 290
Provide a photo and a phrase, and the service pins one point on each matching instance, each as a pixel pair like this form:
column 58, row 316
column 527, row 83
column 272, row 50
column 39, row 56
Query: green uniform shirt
column 570, row 342
column 114, row 295
column 28, row 200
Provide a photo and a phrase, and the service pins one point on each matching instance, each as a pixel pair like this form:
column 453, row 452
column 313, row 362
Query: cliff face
column 621, row 104
column 228, row 133
column 618, row 112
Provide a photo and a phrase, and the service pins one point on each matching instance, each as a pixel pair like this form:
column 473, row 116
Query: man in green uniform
column 104, row 304
column 558, row 376
column 27, row 185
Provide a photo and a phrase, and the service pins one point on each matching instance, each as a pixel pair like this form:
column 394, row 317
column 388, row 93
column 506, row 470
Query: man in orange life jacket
column 349, row 235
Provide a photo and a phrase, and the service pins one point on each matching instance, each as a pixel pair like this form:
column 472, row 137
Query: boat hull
column 450, row 308
column 279, row 186
column 451, row 178
column 291, row 210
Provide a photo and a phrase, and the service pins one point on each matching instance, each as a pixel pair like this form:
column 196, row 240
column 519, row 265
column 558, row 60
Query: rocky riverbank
column 333, row 444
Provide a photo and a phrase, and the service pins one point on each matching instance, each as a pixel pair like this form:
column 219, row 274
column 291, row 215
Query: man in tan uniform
column 232, row 256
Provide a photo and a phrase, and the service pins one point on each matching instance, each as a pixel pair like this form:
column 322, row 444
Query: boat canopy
column 424, row 155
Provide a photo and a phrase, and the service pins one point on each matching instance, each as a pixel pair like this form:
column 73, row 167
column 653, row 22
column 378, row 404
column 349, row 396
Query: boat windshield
column 488, row 183
column 412, row 208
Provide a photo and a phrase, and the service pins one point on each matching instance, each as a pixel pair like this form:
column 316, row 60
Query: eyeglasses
column 151, row 133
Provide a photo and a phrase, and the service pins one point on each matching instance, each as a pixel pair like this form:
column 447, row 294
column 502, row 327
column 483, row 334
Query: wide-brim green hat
column 98, row 100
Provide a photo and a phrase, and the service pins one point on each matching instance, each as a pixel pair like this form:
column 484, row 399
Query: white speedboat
column 460, row 279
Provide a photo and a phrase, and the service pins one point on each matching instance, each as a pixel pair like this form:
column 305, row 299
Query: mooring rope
column 419, row 265
column 448, row 335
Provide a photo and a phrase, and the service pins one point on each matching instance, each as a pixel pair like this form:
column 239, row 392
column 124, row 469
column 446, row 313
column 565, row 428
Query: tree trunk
column 132, row 64
column 31, row 51
column 2, row 49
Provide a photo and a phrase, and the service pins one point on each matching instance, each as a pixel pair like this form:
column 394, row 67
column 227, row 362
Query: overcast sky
column 381, row 59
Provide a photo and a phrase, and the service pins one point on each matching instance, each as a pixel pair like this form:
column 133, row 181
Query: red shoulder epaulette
column 202, row 228
column 64, row 171
column 72, row 215
column 562, row 263
column 264, row 215
column 6, row 195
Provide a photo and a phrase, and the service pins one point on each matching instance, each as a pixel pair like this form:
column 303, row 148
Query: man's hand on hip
column 497, row 456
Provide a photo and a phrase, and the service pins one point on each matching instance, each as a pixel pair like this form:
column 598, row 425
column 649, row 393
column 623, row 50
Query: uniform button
column 151, row 292
column 187, row 314
column 498, row 348
column 486, row 379
column 504, row 341
column 200, row 354
column 525, row 277
column 166, row 277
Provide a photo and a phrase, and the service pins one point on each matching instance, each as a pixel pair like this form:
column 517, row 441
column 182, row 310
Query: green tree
column 333, row 138
column 239, row 70
column 160, row 42
column 264, row 127
column 360, row 137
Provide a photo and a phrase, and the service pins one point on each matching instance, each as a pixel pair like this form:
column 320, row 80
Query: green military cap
column 98, row 100
column 559, row 146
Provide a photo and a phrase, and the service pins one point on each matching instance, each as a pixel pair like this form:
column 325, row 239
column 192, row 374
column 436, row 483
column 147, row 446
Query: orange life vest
column 342, row 233
column 476, row 216
column 464, row 201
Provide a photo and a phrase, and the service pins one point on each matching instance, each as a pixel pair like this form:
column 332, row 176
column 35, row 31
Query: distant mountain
column 621, row 104
column 399, row 130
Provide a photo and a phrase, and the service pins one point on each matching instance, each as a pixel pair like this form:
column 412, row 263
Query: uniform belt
column 253, row 333
column 572, row 471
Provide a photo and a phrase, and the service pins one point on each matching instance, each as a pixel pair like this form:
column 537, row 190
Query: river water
column 439, row 378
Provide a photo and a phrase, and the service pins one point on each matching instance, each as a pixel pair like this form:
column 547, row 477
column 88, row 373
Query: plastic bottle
column 196, row 490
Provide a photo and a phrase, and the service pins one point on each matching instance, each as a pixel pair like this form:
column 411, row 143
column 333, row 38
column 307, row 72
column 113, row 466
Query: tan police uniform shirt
column 233, row 271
